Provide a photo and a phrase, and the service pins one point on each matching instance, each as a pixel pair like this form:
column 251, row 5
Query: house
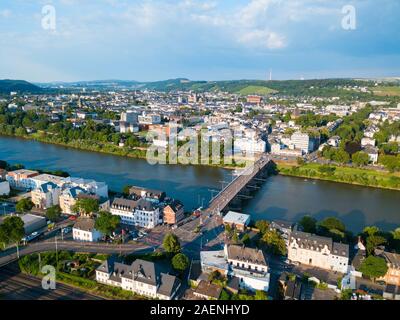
column 334, row 141
column 21, row 179
column 372, row 152
column 139, row 192
column 321, row 252
column 84, row 230
column 68, row 198
column 391, row 292
column 291, row 286
column 366, row 141
column 237, row 220
column 249, row 265
column 284, row 228
column 173, row 212
column 141, row 277
column 207, row 291
column 46, row 195
column 392, row 275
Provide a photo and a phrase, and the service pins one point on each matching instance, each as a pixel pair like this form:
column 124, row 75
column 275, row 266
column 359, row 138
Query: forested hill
column 7, row 86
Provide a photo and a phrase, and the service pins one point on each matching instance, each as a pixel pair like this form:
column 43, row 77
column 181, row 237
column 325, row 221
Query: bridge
column 237, row 185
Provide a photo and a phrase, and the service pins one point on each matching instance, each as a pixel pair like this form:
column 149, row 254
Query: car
column 295, row 263
column 66, row 230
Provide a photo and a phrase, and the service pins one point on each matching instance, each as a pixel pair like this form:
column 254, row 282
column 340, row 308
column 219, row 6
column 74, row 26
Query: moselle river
column 286, row 198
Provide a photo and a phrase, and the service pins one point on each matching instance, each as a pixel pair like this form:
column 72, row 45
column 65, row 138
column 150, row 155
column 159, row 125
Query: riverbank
column 107, row 148
column 353, row 176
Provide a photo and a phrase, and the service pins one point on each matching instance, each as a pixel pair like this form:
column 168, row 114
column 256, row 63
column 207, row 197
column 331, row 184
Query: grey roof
column 85, row 224
column 124, row 204
column 392, row 258
column 241, row 253
column 168, row 284
column 143, row 204
column 151, row 193
column 144, row 271
column 280, row 224
column 316, row 243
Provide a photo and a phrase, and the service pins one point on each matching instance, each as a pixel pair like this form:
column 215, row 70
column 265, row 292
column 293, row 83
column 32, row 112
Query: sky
column 149, row 40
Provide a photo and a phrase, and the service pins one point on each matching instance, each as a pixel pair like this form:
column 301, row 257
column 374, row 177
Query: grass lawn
column 256, row 90
column 387, row 91
column 358, row 176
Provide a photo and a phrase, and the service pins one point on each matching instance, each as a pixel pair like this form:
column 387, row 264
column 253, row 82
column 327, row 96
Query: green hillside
column 7, row 86
column 263, row 91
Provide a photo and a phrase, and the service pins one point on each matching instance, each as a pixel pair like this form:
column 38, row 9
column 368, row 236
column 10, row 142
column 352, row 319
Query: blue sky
column 201, row 40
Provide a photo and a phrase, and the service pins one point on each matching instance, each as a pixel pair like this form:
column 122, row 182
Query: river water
column 286, row 198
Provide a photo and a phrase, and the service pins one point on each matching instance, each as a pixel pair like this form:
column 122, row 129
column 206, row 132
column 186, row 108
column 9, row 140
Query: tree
column 245, row 239
column 262, row 225
column 12, row 230
column 107, row 223
column 180, row 262
column 125, row 190
column 370, row 231
column 373, row 242
column 86, row 206
column 224, row 295
column 53, row 213
column 332, row 223
column 275, row 243
column 374, row 267
column 23, row 205
column 260, row 295
column 308, row 224
column 171, row 243
column 360, row 158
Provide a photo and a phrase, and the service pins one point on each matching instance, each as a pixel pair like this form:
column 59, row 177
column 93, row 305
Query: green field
column 391, row 91
column 256, row 90
column 357, row 176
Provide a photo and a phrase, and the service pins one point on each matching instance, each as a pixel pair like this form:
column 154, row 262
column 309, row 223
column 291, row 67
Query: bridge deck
column 222, row 199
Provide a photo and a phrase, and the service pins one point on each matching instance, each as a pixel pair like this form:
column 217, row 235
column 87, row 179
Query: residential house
column 373, row 153
column 321, row 252
column 46, row 195
column 284, row 228
column 141, row 277
column 392, row 276
column 173, row 212
column 207, row 291
column 84, row 230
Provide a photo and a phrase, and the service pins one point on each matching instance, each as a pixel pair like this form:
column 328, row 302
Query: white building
column 318, row 251
column 142, row 277
column 149, row 119
column 4, row 188
column 366, row 141
column 249, row 266
column 303, row 142
column 21, row 179
column 46, row 178
column 89, row 185
column 84, row 230
column 130, row 117
column 252, row 145
column 46, row 195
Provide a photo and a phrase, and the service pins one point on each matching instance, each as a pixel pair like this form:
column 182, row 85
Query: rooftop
column 236, row 218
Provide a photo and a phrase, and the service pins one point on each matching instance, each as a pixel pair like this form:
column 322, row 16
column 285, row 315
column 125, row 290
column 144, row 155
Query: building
column 392, row 276
column 373, row 153
column 214, row 261
column 142, row 277
column 148, row 119
column 68, row 198
column 254, row 100
column 303, row 142
column 150, row 194
column 124, row 208
column 4, row 188
column 207, row 291
column 237, row 220
column 173, row 212
column 33, row 223
column 250, row 145
column 46, row 195
column 317, row 251
column 284, row 228
column 46, row 178
column 89, row 185
column 249, row 266
column 130, row 117
column 84, row 230
column 21, row 179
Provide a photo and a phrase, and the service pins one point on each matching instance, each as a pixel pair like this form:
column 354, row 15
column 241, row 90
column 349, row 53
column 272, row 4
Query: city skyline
column 212, row 40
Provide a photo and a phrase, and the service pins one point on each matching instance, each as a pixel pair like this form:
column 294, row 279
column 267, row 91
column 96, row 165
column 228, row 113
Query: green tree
column 171, row 243
column 374, row 267
column 12, row 230
column 373, row 242
column 180, row 262
column 125, row 190
column 224, row 295
column 262, row 225
column 360, row 158
column 53, row 213
column 260, row 295
column 370, row 231
column 245, row 239
column 24, row 205
column 86, row 206
column 308, row 224
column 331, row 223
column 274, row 242
column 107, row 223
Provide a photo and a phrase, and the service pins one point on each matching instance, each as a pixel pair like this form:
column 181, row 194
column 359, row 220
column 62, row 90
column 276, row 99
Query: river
column 286, row 198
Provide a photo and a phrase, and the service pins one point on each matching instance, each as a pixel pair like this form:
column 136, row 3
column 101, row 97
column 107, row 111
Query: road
column 17, row 286
column 10, row 255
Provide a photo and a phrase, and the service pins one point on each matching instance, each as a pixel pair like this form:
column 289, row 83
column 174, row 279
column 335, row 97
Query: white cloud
column 263, row 39
column 5, row 13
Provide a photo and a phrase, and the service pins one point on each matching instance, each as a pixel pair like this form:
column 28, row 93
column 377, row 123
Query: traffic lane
column 17, row 286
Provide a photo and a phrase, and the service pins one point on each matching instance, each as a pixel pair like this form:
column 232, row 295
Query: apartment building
column 84, row 230
column 317, row 251
column 21, row 179
column 303, row 142
column 173, row 212
column 89, row 185
column 68, row 198
column 124, row 208
column 46, row 195
column 141, row 277
column 392, row 275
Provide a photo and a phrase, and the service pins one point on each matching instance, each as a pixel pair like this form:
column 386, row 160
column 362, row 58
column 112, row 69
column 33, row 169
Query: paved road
column 17, row 286
column 11, row 255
